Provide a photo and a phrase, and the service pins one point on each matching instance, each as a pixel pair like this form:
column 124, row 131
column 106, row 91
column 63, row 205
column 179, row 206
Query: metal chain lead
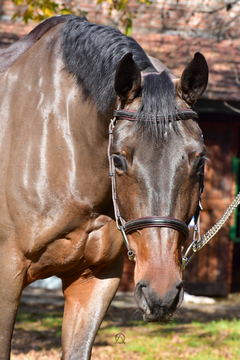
column 210, row 233
column 198, row 244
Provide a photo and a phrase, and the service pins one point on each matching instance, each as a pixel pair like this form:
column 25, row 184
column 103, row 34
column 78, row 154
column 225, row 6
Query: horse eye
column 117, row 162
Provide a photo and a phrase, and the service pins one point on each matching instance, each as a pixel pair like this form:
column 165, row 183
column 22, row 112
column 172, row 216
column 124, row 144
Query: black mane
column 158, row 107
column 92, row 52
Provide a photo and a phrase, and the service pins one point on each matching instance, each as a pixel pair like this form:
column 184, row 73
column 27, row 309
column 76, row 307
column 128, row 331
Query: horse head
column 158, row 155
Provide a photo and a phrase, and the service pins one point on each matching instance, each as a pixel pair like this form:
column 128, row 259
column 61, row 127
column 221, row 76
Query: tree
column 39, row 10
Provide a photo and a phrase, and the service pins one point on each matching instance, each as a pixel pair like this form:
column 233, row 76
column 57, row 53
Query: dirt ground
column 26, row 344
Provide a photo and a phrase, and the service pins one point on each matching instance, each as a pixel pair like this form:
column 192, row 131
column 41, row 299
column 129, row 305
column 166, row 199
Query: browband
column 183, row 114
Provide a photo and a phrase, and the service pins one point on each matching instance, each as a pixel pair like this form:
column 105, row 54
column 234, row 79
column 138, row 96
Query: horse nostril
column 178, row 297
column 140, row 296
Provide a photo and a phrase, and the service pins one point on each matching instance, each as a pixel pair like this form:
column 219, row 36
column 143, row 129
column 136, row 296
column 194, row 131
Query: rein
column 149, row 221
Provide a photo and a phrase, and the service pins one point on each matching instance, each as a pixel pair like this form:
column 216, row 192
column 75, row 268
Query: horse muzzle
column 155, row 309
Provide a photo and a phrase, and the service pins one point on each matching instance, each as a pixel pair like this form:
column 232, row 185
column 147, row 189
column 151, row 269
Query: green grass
column 214, row 340
column 40, row 322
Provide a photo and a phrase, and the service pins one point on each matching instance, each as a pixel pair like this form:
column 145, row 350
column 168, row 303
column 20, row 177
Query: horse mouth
column 157, row 317
column 160, row 318
column 157, row 314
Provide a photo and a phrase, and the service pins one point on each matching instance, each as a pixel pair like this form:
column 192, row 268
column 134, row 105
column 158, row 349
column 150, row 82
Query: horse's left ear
column 194, row 79
column 127, row 78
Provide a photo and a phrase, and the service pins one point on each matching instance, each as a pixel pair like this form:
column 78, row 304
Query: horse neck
column 58, row 118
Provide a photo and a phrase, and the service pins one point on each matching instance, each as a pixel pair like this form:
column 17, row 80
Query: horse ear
column 127, row 78
column 194, row 79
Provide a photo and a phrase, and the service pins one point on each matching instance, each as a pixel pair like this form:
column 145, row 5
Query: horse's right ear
column 127, row 78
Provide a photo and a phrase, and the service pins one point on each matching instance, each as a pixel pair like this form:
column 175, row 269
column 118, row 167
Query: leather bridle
column 150, row 221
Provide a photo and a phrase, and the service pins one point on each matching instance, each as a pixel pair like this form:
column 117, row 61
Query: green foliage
column 39, row 10
column 123, row 9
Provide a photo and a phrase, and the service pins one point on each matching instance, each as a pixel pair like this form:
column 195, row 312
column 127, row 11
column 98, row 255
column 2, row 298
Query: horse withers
column 61, row 87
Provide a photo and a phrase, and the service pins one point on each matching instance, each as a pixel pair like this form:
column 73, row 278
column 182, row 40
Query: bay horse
column 60, row 88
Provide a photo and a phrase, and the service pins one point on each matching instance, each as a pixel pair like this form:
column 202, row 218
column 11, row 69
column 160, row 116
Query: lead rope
column 120, row 222
column 198, row 244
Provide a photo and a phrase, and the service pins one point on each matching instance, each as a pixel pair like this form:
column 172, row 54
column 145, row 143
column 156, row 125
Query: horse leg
column 12, row 277
column 87, row 300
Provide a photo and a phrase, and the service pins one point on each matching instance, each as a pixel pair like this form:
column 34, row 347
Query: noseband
column 144, row 222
